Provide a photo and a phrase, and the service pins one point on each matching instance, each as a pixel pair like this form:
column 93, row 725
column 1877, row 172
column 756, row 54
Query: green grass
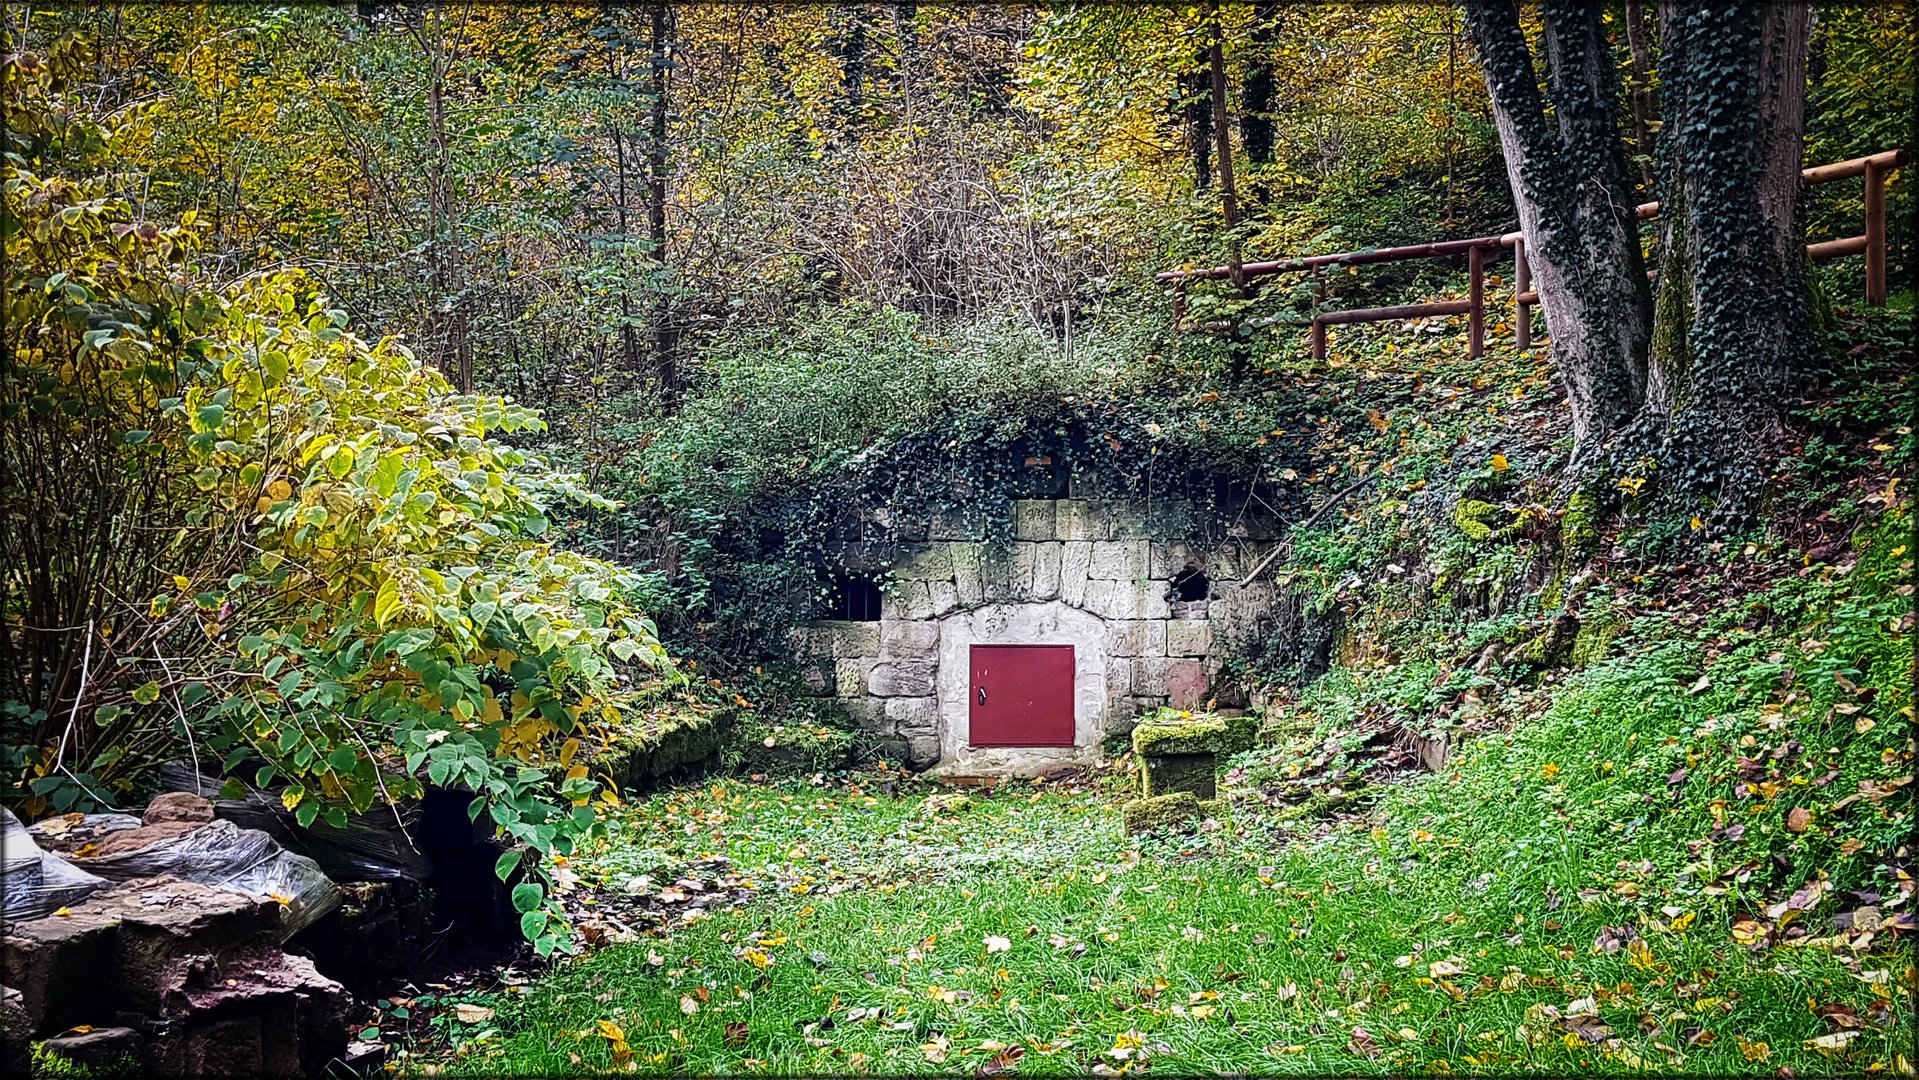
column 1645, row 865
column 1209, row 953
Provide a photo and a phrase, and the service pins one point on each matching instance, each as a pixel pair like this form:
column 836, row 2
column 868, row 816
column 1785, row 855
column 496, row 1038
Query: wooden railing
column 1871, row 243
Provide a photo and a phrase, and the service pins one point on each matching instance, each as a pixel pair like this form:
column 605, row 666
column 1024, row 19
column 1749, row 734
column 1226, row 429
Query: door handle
column 982, row 695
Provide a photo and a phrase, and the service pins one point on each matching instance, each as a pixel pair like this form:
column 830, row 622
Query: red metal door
column 1021, row 695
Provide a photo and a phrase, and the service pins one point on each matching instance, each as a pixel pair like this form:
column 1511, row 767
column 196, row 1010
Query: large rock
column 171, row 815
column 16, row 1030
column 199, row 967
column 102, row 1051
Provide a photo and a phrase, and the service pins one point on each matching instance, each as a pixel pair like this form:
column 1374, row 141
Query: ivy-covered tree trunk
column 1570, row 182
column 1733, row 325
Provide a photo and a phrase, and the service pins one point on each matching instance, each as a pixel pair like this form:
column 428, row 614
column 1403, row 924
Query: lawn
column 1688, row 855
column 1021, row 932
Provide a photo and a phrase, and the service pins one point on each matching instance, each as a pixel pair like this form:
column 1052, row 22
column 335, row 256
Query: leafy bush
column 243, row 531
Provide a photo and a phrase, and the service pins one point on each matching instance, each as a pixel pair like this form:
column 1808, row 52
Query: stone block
column 1098, row 599
column 922, row 751
column 999, row 576
column 967, row 574
column 1125, row 637
column 1186, row 684
column 1126, row 600
column 1025, row 568
column 62, row 966
column 1125, row 521
column 1189, row 609
column 1033, row 519
column 912, row 716
column 901, row 640
column 924, row 562
column 1166, row 774
column 1167, row 560
column 1163, row 812
column 819, row 677
column 957, row 523
column 1074, row 560
column 1048, row 561
column 1155, row 638
column 186, row 959
column 945, row 597
column 849, row 676
column 1188, row 637
column 1079, row 519
column 808, row 642
column 902, row 678
column 868, row 714
column 1118, row 560
column 909, row 600
column 856, row 639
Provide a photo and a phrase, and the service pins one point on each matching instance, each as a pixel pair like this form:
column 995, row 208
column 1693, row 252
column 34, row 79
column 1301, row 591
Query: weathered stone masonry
column 1075, row 571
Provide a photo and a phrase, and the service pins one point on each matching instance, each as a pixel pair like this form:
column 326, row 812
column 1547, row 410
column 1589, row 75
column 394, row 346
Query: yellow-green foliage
column 312, row 551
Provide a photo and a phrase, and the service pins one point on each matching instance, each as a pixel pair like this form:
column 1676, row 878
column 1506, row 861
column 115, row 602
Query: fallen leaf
column 469, row 1013
column 1798, row 819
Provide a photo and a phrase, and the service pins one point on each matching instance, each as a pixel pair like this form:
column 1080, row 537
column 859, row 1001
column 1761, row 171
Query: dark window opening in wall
column 853, row 599
column 1041, row 474
column 1191, row 584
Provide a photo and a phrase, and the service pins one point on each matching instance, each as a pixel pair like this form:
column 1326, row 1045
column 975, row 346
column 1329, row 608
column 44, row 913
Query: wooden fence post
column 1476, row 315
column 1875, row 236
column 1522, row 311
column 1319, row 328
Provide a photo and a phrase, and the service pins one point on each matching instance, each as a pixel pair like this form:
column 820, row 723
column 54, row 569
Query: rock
column 61, row 966
column 107, row 1050
column 922, row 751
column 123, row 841
column 1159, row 812
column 202, row 965
column 1192, row 774
column 178, row 806
column 906, row 678
column 16, row 1056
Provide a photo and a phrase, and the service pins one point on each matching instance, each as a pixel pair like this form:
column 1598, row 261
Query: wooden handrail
column 1872, row 244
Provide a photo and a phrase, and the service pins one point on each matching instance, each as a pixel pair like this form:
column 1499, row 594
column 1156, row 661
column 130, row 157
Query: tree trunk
column 1575, row 204
column 1734, row 330
column 665, row 334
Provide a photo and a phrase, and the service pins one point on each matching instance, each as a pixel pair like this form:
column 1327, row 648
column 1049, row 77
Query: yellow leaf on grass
column 1499, row 463
column 468, row 1013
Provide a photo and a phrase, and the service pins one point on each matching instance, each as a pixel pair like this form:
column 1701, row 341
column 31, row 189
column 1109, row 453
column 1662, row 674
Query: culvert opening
column 1191, row 584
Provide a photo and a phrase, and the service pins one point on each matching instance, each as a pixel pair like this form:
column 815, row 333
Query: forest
column 830, row 538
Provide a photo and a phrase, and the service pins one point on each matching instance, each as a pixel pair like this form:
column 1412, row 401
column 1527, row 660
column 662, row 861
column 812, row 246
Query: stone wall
column 1076, row 571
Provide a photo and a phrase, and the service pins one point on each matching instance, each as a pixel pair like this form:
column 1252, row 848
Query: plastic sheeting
column 35, row 882
column 372, row 846
column 223, row 854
